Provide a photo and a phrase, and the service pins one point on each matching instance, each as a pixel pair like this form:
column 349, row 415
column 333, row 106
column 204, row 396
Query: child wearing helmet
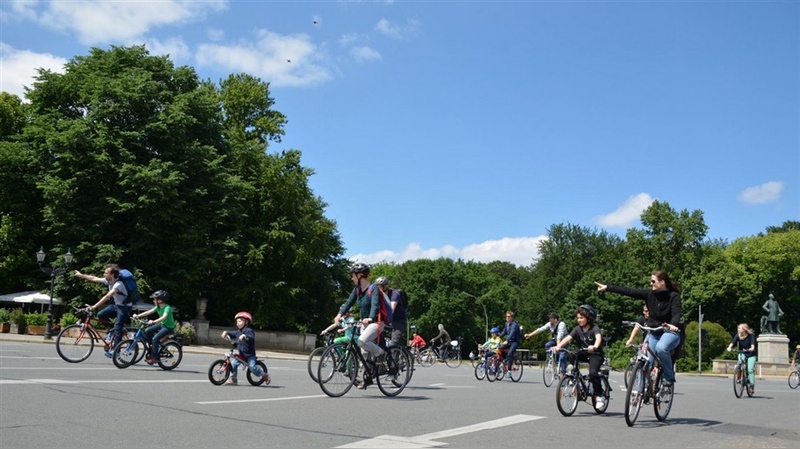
column 492, row 344
column 346, row 326
column 587, row 335
column 161, row 326
column 246, row 337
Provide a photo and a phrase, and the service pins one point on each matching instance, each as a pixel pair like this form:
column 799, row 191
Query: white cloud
column 174, row 47
column 362, row 54
column 630, row 211
column 521, row 251
column 103, row 22
column 281, row 60
column 395, row 31
column 18, row 68
column 765, row 193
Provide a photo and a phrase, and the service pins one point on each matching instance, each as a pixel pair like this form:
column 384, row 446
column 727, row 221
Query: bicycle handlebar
column 646, row 328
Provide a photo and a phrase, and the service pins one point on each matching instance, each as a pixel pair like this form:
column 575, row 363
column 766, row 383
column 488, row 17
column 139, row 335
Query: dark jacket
column 664, row 305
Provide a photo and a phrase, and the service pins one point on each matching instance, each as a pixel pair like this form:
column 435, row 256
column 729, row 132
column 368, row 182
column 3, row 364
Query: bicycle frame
column 76, row 342
column 127, row 352
column 646, row 382
column 221, row 369
column 741, row 375
column 576, row 386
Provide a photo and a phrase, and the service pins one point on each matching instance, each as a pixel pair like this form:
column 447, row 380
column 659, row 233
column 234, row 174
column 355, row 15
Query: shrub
column 186, row 333
column 17, row 317
column 36, row 319
column 5, row 316
column 718, row 339
column 67, row 319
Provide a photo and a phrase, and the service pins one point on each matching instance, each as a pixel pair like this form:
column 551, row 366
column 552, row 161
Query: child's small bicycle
column 221, row 369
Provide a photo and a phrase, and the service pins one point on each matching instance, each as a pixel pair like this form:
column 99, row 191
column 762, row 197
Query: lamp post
column 53, row 272
column 485, row 315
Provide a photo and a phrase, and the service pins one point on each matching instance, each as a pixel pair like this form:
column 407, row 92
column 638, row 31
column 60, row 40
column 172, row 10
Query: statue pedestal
column 201, row 329
column 773, row 348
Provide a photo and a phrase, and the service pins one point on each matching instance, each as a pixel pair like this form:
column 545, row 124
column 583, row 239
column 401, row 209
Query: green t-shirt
column 170, row 321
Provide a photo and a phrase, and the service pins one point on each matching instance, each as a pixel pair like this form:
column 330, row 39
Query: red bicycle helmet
column 245, row 315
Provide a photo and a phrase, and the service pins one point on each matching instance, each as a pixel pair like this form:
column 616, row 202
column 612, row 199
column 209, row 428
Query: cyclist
column 588, row 336
column 559, row 331
column 346, row 326
column 513, row 334
column 444, row 337
column 246, row 337
column 492, row 345
column 369, row 304
column 795, row 357
column 417, row 343
column 161, row 326
column 116, row 292
column 663, row 300
column 641, row 320
column 745, row 340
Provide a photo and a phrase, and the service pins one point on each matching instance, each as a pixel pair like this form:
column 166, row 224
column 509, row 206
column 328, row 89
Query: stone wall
column 721, row 366
column 269, row 340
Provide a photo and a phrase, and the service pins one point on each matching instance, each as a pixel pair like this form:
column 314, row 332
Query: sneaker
column 150, row 360
column 108, row 354
column 266, row 379
column 599, row 403
column 367, row 382
column 751, row 389
column 231, row 381
column 508, row 375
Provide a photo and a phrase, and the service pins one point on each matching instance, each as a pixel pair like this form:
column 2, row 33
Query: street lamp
column 53, row 272
column 485, row 316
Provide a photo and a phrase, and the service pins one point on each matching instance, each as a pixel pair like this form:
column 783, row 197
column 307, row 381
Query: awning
column 29, row 297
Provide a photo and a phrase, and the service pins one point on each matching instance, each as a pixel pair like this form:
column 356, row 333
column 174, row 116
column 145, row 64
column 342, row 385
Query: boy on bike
column 559, row 330
column 161, row 326
column 246, row 337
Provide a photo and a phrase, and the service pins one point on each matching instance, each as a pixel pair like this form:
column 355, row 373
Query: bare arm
column 88, row 277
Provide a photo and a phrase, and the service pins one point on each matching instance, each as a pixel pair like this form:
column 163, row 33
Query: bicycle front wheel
column 125, row 353
column 427, row 358
column 516, row 368
column 635, row 395
column 567, row 395
column 480, row 371
column 75, row 343
column 794, row 380
column 738, row 381
column 629, row 373
column 313, row 362
column 453, row 358
column 337, row 370
column 218, row 372
column 170, row 355
column 398, row 372
column 549, row 371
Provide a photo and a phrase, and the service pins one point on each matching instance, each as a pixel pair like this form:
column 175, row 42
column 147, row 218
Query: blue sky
column 467, row 129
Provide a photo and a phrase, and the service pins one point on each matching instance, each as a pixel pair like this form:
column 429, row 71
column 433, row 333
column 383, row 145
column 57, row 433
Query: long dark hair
column 669, row 283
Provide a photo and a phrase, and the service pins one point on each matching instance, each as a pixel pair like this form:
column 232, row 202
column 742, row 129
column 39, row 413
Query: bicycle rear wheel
column 170, row 355
column 738, row 381
column 337, row 370
column 427, row 358
column 662, row 403
column 567, row 395
column 397, row 373
column 313, row 362
column 453, row 357
column 516, row 368
column 125, row 353
column 257, row 380
column 75, row 343
column 218, row 372
column 549, row 370
column 794, row 380
column 635, row 395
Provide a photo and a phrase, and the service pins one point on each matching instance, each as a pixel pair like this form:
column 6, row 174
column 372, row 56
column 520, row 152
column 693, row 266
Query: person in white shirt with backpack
column 116, row 292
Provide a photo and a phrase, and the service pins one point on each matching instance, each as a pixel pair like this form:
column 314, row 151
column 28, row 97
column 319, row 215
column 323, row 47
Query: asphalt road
column 46, row 402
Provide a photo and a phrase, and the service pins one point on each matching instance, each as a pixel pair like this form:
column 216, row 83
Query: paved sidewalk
column 195, row 349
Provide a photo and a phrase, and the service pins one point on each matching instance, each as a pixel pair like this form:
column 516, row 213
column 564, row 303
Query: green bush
column 186, row 333
column 718, row 339
column 17, row 317
column 67, row 319
column 36, row 319
column 5, row 316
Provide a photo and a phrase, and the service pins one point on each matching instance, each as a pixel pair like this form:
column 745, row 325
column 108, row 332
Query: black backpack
column 403, row 297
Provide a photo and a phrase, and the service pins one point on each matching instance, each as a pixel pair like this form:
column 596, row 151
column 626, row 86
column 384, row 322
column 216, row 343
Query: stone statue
column 770, row 323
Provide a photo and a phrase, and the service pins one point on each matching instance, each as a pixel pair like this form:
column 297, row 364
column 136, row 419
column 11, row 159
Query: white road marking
column 64, row 382
column 242, row 401
column 427, row 440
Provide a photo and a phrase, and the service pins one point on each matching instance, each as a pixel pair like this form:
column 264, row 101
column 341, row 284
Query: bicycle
column 221, row 369
column 628, row 374
column 551, row 371
column 516, row 366
column 451, row 355
column 316, row 355
column 647, row 382
column 340, row 364
column 575, row 386
column 794, row 378
column 741, row 378
column 170, row 353
column 76, row 342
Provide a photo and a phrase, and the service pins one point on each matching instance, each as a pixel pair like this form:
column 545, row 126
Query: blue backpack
column 127, row 279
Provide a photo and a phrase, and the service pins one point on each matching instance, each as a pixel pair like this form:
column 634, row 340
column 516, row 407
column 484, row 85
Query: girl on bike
column 588, row 336
column 745, row 340
column 663, row 300
column 491, row 345
column 161, row 326
column 246, row 337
